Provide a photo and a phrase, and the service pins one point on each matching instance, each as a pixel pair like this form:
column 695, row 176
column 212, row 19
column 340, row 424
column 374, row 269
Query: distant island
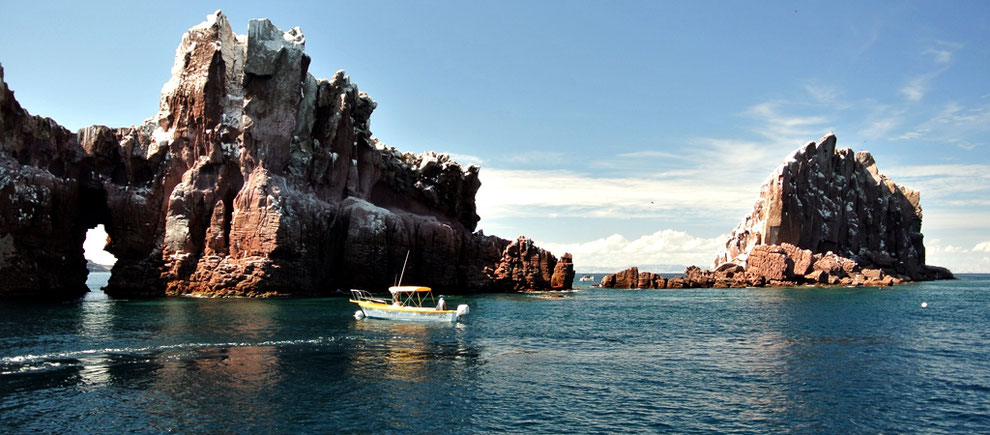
column 94, row 267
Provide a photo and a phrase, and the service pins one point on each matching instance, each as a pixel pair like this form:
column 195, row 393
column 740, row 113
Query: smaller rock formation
column 525, row 267
column 632, row 278
column 563, row 273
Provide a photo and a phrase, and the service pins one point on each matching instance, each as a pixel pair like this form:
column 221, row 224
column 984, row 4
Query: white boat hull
column 375, row 310
column 439, row 316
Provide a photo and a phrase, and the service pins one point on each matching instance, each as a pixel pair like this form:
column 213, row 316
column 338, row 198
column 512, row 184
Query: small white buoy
column 924, row 305
column 359, row 314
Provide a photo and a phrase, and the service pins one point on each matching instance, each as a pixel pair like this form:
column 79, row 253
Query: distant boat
column 408, row 303
column 587, row 278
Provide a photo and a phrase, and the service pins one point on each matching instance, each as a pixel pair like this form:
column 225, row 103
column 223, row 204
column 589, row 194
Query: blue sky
column 625, row 132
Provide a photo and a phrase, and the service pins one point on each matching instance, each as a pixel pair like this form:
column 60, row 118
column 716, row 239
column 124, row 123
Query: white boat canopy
column 409, row 289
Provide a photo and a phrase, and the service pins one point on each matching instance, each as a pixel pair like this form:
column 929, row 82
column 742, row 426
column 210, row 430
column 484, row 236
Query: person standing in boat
column 441, row 305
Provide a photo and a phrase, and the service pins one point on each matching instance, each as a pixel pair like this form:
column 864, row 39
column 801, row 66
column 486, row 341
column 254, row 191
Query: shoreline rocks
column 254, row 179
column 773, row 266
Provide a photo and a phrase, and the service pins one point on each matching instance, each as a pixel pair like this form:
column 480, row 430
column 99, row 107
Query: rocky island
column 254, row 179
column 826, row 216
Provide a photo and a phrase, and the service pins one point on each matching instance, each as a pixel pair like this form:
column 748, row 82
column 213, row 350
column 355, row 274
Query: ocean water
column 746, row 361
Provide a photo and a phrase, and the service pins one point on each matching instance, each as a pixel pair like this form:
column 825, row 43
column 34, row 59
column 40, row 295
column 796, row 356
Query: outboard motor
column 463, row 310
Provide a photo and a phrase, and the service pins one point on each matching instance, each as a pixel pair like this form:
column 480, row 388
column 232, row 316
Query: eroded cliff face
column 254, row 178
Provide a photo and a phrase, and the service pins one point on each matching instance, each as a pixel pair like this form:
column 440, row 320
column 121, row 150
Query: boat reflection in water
column 404, row 350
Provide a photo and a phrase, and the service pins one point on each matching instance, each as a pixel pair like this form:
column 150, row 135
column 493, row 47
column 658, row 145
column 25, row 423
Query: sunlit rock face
column 255, row 178
column 827, row 199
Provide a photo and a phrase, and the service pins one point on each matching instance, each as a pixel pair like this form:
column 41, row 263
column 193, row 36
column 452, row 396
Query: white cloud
column 915, row 88
column 664, row 247
column 826, row 94
column 942, row 51
column 507, row 193
column 880, row 128
column 948, row 170
column 965, row 185
column 540, row 157
column 784, row 128
column 653, row 154
column 953, row 124
column 96, row 239
column 941, row 55
column 969, row 202
column 951, row 221
column 956, row 258
column 467, row 159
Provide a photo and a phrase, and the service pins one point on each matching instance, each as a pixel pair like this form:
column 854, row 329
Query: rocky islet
column 826, row 216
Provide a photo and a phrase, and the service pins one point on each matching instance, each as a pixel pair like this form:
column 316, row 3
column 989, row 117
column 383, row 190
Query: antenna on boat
column 403, row 274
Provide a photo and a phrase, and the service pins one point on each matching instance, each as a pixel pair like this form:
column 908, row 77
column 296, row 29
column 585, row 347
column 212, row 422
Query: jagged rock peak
column 825, row 199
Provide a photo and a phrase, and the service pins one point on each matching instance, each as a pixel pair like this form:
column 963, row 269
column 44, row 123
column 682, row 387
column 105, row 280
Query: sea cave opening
column 98, row 260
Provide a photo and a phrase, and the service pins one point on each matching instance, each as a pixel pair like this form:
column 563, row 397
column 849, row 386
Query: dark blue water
column 753, row 360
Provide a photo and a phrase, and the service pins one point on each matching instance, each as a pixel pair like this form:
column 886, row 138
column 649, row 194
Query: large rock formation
column 826, row 216
column 254, row 178
column 827, row 199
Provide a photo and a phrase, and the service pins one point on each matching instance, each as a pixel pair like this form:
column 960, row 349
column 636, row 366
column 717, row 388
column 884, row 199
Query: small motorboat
column 408, row 303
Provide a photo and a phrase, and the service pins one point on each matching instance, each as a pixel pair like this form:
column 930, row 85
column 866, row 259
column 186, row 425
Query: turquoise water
column 751, row 360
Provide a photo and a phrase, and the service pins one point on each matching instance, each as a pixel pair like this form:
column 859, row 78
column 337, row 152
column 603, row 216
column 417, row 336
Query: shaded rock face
column 255, row 178
column 826, row 199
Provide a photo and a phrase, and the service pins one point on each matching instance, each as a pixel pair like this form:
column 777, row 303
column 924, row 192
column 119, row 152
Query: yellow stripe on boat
column 390, row 307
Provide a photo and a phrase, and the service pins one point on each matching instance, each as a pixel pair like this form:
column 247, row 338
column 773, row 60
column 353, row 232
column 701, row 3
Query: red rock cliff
column 254, row 178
